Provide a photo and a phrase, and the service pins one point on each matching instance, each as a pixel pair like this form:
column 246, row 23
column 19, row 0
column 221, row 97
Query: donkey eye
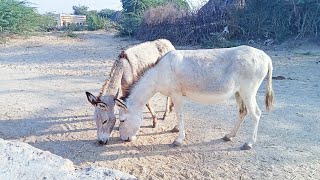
column 104, row 121
column 102, row 106
column 122, row 121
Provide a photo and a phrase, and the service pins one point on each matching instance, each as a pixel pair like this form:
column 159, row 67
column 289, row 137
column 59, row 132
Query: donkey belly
column 209, row 93
column 206, row 98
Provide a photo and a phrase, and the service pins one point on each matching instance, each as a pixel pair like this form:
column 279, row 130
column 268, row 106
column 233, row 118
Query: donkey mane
column 128, row 88
column 116, row 64
column 104, row 86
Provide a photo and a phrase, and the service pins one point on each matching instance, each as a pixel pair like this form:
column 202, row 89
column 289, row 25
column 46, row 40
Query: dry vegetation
column 251, row 20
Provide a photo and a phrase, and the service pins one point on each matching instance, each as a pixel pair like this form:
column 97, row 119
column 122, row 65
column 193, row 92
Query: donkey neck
column 115, row 78
column 143, row 89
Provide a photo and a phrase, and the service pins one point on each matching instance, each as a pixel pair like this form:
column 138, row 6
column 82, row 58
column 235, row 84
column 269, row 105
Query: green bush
column 96, row 22
column 106, row 13
column 17, row 17
column 47, row 22
column 129, row 24
column 70, row 34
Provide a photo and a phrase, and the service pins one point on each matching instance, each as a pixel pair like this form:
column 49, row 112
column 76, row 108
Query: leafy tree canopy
column 80, row 10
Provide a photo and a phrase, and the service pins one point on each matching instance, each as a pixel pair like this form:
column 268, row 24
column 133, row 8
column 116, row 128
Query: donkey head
column 130, row 121
column 103, row 115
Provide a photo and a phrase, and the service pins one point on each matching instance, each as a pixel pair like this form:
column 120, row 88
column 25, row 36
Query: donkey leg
column 167, row 108
column 171, row 106
column 179, row 113
column 154, row 115
column 242, row 115
column 255, row 114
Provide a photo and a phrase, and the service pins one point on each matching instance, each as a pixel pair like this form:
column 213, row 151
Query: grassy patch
column 69, row 34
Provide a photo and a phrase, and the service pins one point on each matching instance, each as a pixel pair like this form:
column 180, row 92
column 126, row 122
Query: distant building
column 66, row 20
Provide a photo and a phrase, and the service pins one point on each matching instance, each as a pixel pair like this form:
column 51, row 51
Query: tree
column 180, row 4
column 17, row 17
column 106, row 13
column 96, row 22
column 47, row 22
column 80, row 10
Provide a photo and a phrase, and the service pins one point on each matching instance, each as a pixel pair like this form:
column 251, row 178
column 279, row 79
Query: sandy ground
column 42, row 102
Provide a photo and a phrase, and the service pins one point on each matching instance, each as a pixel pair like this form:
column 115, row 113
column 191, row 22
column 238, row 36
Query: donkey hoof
column 225, row 138
column 246, row 146
column 176, row 143
column 164, row 116
column 171, row 108
column 174, row 130
column 154, row 122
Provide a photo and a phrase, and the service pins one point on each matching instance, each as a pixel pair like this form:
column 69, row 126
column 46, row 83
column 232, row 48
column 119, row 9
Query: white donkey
column 205, row 76
column 126, row 70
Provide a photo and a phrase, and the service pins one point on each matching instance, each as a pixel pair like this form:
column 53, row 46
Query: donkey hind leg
column 171, row 106
column 167, row 108
column 242, row 114
column 179, row 113
column 154, row 115
column 255, row 114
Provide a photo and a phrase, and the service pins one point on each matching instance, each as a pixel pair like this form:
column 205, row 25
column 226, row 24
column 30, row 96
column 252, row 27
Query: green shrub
column 47, row 22
column 71, row 34
column 129, row 24
column 106, row 13
column 17, row 17
column 96, row 22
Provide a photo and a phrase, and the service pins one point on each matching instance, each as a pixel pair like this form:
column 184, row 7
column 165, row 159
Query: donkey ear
column 117, row 95
column 120, row 104
column 91, row 98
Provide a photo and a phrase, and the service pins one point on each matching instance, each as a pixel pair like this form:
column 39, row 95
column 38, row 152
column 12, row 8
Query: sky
column 65, row 6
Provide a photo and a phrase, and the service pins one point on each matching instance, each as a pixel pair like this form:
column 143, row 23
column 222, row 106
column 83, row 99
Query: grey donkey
column 125, row 71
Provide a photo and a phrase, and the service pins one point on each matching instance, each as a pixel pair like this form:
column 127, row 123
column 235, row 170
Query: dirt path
column 43, row 80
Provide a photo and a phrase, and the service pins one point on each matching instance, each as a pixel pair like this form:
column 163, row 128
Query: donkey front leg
column 179, row 113
column 154, row 115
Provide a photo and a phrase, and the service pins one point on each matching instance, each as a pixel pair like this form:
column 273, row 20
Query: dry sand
column 43, row 80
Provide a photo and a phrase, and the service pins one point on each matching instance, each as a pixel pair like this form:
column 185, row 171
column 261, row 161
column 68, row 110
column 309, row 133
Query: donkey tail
column 269, row 93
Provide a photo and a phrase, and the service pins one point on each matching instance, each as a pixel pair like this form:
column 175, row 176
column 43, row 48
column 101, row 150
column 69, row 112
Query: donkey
column 125, row 70
column 205, row 76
